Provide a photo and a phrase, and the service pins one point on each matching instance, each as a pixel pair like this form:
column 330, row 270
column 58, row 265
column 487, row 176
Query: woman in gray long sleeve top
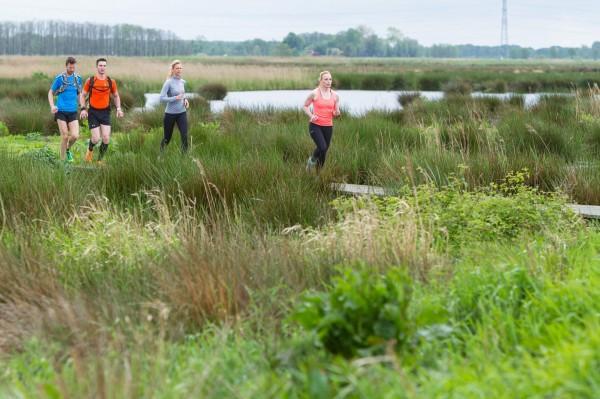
column 173, row 93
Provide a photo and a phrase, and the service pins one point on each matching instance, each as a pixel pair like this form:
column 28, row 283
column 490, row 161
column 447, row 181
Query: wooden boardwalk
column 586, row 211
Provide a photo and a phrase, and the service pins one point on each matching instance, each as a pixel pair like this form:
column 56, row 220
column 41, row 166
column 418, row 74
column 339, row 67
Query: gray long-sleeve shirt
column 171, row 89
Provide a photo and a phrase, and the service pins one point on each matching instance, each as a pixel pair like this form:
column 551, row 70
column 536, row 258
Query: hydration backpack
column 65, row 83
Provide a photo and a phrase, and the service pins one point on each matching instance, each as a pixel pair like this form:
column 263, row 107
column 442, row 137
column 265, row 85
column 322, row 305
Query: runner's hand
column 83, row 114
column 54, row 109
column 314, row 118
column 186, row 103
column 119, row 113
column 336, row 113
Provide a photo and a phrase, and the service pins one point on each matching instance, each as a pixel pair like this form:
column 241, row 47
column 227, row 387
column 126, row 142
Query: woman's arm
column 164, row 97
column 336, row 111
column 309, row 100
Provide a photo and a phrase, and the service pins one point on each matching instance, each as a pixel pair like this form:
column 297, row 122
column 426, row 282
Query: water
column 354, row 102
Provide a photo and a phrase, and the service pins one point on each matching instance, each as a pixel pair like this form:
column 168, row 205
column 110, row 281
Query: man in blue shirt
column 66, row 87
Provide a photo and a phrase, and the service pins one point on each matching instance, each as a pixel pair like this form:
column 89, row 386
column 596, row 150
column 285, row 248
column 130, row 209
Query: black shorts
column 97, row 117
column 65, row 116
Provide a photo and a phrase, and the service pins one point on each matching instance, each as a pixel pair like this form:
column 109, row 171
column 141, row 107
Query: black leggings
column 321, row 135
column 169, row 123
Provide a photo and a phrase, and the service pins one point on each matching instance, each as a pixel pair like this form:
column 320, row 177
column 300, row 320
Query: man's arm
column 53, row 107
column 82, row 96
column 117, row 100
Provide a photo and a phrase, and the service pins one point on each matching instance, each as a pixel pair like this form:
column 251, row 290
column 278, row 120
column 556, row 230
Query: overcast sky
column 535, row 23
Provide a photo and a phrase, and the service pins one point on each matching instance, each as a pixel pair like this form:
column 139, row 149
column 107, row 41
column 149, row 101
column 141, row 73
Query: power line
column 504, row 29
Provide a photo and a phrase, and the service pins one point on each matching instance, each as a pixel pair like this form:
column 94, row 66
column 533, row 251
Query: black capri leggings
column 169, row 123
column 321, row 135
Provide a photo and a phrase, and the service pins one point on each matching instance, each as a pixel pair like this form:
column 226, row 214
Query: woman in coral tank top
column 325, row 106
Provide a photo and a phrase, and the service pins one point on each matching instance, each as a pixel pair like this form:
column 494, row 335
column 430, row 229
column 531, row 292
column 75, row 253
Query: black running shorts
column 97, row 117
column 65, row 116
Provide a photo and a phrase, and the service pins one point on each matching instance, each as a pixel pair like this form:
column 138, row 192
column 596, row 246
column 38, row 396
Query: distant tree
column 294, row 42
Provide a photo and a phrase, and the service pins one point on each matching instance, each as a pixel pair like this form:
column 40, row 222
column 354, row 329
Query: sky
column 531, row 23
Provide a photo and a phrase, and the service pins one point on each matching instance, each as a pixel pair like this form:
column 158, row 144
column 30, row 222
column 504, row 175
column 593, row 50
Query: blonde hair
column 321, row 74
column 175, row 62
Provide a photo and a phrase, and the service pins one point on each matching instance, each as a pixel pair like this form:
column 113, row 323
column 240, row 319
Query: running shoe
column 310, row 164
column 89, row 156
column 70, row 157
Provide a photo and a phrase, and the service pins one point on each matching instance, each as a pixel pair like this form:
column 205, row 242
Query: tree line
column 60, row 38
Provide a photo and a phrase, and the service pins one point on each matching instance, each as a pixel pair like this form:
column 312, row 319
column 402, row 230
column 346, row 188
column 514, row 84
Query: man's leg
column 94, row 139
column 72, row 137
column 105, row 131
column 63, row 128
column 73, row 132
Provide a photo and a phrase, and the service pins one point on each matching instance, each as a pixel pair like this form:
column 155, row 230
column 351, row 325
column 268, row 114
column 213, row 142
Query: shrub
column 213, row 91
column 362, row 311
column 44, row 155
column 407, row 98
column 458, row 88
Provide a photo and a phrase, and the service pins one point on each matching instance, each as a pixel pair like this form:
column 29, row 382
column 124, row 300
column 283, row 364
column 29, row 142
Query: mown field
column 232, row 272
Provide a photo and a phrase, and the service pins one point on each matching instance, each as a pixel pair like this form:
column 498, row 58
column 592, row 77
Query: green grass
column 179, row 300
column 178, row 276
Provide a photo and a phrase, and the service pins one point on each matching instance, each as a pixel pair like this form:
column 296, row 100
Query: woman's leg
column 316, row 132
column 168, row 124
column 327, row 133
column 183, row 130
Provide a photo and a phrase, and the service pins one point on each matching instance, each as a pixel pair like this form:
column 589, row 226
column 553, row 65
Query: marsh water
column 354, row 102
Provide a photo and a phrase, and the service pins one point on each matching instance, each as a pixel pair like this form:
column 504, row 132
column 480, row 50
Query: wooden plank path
column 586, row 211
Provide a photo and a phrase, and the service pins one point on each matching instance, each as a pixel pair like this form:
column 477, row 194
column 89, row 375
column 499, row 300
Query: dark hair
column 100, row 59
column 70, row 60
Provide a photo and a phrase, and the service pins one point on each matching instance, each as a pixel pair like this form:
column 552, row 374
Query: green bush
column 457, row 217
column 213, row 91
column 44, row 155
column 457, row 88
column 361, row 313
column 407, row 98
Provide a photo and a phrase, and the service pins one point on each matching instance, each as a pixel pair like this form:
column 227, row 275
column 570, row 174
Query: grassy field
column 232, row 272
column 267, row 73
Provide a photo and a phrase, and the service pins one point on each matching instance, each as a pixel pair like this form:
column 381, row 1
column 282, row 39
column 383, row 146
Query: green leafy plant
column 362, row 311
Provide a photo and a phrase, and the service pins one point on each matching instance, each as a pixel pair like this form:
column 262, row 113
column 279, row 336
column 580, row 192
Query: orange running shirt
column 100, row 98
column 323, row 108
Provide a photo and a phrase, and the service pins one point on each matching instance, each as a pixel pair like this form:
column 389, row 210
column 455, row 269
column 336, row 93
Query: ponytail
column 173, row 64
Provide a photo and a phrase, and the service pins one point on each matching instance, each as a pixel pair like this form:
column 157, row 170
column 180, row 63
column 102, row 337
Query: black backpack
column 92, row 79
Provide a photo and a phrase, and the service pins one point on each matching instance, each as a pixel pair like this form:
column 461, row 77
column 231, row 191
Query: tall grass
column 160, row 298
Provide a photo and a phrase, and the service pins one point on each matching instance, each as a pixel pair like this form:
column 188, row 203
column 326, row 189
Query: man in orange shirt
column 100, row 87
